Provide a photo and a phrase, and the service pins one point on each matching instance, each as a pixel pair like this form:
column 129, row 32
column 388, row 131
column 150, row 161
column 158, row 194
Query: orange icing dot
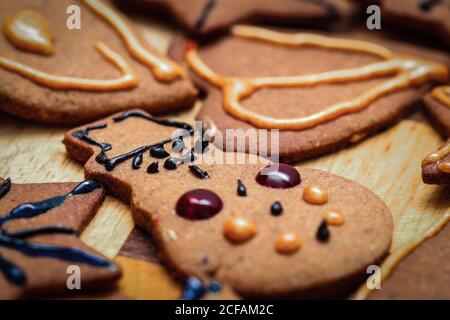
column 239, row 229
column 444, row 167
column 314, row 194
column 437, row 157
column 288, row 243
column 28, row 30
column 408, row 72
column 334, row 218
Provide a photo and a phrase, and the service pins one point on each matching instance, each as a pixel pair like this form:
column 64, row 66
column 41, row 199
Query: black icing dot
column 171, row 164
column 276, row 209
column 159, row 152
column 153, row 167
column 323, row 233
column 241, row 189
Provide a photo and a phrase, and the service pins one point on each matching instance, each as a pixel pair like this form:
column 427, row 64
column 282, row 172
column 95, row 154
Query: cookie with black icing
column 256, row 228
column 39, row 228
column 321, row 92
column 426, row 16
column 204, row 17
column 55, row 74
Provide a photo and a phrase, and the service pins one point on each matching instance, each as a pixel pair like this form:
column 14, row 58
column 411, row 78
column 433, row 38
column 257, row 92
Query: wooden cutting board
column 387, row 163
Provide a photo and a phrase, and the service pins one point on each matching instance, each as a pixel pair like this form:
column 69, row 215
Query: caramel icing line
column 442, row 94
column 391, row 262
column 409, row 71
column 162, row 68
column 437, row 157
column 128, row 79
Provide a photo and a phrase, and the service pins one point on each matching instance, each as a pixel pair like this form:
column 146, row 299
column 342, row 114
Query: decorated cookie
column 428, row 16
column 203, row 17
column 436, row 166
column 55, row 71
column 39, row 244
column 320, row 92
column 437, row 104
column 233, row 219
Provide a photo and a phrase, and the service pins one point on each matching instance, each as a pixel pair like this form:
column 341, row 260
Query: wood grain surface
column 387, row 163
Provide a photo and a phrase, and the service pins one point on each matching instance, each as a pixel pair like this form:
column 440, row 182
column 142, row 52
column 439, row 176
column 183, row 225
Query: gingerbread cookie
column 436, row 166
column 261, row 229
column 318, row 99
column 39, row 224
column 428, row 16
column 53, row 73
column 204, row 17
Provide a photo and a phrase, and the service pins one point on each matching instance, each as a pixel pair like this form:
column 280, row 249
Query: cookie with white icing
column 259, row 229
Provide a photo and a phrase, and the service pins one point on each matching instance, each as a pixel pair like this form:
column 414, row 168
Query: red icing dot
column 278, row 176
column 198, row 204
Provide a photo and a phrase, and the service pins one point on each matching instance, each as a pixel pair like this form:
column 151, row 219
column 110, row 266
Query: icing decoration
column 241, row 189
column 178, row 145
column 323, row 234
column 159, row 152
column 111, row 163
column 279, row 176
column 4, row 187
column 128, row 79
column 210, row 5
column 198, row 172
column 198, row 204
column 334, row 218
column 287, row 243
column 15, row 241
column 408, row 71
column 199, row 147
column 206, row 11
column 137, row 161
column 194, row 289
column 427, row 5
column 28, row 30
column 153, row 167
column 276, row 209
column 239, row 229
column 314, row 194
column 162, row 68
column 437, row 157
column 441, row 94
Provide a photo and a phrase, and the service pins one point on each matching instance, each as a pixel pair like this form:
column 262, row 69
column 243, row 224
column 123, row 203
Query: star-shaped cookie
column 39, row 247
column 203, row 17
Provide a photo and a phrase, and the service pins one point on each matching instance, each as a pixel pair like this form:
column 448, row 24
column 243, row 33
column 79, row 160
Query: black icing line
column 205, row 13
column 5, row 187
column 111, row 163
column 15, row 240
